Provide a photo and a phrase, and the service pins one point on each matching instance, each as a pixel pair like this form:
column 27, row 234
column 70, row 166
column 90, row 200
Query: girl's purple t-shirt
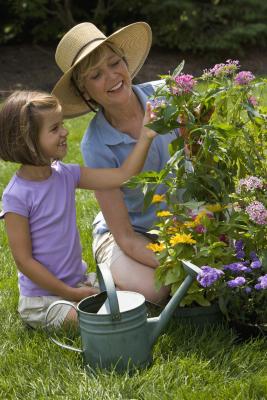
column 50, row 207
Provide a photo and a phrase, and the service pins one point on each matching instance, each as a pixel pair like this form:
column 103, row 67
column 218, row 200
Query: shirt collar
column 112, row 136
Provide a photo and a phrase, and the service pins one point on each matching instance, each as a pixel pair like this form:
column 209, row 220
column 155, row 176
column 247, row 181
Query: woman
column 98, row 72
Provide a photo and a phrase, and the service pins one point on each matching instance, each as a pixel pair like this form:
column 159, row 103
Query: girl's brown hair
column 20, row 125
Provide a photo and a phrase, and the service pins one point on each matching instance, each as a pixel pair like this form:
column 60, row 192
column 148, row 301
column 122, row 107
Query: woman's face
column 109, row 81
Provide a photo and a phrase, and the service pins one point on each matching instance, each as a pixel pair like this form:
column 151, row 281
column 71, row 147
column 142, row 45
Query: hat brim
column 135, row 41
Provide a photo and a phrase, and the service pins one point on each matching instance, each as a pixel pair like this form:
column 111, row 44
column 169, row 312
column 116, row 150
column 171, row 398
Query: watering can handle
column 65, row 346
column 106, row 283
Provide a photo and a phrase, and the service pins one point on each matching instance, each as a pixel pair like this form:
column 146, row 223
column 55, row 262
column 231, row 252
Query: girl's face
column 109, row 81
column 53, row 135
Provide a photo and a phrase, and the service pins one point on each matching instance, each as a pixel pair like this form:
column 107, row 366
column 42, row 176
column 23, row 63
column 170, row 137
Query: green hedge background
column 230, row 26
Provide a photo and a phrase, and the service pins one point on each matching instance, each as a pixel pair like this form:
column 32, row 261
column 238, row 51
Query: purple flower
column 238, row 281
column 244, row 77
column 255, row 264
column 184, row 84
column 157, row 104
column 240, row 254
column 262, row 282
column 239, row 245
column 251, row 183
column 253, row 256
column 200, row 229
column 236, row 267
column 209, row 275
column 257, row 212
column 248, row 290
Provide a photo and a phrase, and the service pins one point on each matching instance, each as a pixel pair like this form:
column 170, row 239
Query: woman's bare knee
column 157, row 296
column 71, row 318
column 128, row 274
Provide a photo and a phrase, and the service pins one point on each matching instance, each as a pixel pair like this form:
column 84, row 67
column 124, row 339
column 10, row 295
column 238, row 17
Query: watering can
column 115, row 330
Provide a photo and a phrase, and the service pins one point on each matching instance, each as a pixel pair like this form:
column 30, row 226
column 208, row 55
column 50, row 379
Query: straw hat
column 80, row 41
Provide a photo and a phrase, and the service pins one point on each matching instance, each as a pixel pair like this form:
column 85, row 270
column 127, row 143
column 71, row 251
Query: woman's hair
column 20, row 125
column 82, row 69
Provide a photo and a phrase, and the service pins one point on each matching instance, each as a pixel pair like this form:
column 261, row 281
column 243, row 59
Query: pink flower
column 249, row 184
column 257, row 212
column 244, row 77
column 221, row 69
column 184, row 84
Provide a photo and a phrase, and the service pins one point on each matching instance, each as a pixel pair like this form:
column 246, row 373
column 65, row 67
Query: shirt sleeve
column 15, row 204
column 75, row 171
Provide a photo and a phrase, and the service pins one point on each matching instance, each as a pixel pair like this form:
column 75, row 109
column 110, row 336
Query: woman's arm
column 117, row 218
column 109, row 178
column 19, row 238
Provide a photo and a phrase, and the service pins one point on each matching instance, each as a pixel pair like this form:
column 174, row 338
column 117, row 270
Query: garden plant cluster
column 214, row 210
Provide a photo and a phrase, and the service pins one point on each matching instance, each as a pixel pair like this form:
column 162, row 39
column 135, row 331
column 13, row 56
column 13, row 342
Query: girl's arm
column 109, row 178
column 19, row 238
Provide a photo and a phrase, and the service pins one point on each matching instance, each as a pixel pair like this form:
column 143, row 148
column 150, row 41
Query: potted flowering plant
column 242, row 285
column 205, row 211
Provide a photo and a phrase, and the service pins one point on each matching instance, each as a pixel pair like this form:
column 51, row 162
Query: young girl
column 39, row 203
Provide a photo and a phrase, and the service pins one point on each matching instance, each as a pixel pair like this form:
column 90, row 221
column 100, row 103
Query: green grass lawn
column 188, row 363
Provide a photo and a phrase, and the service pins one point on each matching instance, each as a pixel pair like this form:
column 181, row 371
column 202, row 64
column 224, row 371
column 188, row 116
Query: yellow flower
column 214, row 207
column 199, row 217
column 158, row 198
column 182, row 238
column 164, row 213
column 172, row 229
column 156, row 247
column 190, row 224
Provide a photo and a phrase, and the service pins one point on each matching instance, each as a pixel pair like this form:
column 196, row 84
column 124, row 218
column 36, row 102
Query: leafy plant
column 223, row 131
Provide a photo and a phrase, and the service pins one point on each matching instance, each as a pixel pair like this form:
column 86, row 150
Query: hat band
column 87, row 44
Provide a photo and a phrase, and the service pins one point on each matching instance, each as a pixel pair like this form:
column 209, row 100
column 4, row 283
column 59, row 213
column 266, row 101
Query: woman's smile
column 116, row 88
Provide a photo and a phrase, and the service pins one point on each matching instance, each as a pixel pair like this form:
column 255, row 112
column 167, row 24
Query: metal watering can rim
column 106, row 283
column 124, row 305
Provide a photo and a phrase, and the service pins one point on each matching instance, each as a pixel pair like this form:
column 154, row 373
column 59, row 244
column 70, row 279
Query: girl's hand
column 149, row 117
column 77, row 294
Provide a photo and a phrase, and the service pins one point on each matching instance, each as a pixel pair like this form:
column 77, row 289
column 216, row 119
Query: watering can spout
column 157, row 325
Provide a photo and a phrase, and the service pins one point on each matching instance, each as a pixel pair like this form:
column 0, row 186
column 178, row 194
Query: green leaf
column 177, row 144
column 178, row 69
column 159, row 126
column 173, row 275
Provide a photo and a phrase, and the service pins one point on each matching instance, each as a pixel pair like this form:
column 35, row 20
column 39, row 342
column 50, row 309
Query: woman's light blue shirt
column 106, row 147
